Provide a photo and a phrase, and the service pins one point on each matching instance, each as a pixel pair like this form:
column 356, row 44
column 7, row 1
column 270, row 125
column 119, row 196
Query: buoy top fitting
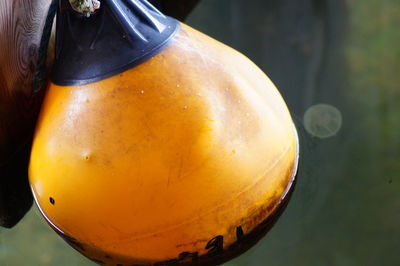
column 115, row 37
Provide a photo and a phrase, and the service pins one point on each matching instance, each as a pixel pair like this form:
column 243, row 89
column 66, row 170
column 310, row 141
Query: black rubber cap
column 117, row 37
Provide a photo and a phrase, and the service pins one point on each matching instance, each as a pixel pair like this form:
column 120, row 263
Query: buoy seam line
column 40, row 74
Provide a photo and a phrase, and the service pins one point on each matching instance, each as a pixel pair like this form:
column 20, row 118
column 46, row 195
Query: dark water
column 337, row 65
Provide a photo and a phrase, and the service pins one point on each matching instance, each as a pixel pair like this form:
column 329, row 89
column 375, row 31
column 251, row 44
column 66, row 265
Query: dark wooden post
column 21, row 25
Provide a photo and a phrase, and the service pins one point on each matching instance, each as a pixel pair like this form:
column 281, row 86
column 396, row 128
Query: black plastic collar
column 119, row 36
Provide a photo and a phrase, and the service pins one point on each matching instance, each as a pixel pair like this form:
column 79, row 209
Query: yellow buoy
column 175, row 160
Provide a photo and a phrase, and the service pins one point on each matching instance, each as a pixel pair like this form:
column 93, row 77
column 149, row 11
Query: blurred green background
column 337, row 65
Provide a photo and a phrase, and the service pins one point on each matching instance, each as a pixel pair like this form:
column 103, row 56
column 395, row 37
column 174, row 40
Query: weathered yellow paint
column 158, row 160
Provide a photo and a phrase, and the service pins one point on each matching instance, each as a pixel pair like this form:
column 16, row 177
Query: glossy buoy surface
column 173, row 160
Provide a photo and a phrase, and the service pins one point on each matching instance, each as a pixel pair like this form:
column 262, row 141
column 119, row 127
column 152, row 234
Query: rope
column 40, row 77
column 85, row 7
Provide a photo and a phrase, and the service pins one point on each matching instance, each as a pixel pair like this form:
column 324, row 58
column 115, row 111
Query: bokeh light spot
column 322, row 120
